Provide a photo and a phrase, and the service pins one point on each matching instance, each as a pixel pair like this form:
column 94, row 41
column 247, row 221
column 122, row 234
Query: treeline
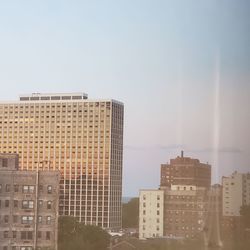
column 73, row 235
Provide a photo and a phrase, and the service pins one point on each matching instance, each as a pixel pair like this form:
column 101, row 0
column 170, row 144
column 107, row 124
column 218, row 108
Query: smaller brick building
column 185, row 171
column 28, row 207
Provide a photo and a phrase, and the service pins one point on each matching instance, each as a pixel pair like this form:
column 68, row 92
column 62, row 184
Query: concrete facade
column 236, row 192
column 80, row 137
column 151, row 214
column 29, row 203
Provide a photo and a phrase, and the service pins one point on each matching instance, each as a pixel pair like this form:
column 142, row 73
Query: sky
column 181, row 68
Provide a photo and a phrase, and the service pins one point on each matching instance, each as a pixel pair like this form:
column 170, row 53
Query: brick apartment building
column 28, row 207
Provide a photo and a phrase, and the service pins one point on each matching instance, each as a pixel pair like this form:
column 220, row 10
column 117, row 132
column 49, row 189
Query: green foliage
column 245, row 213
column 130, row 213
column 73, row 235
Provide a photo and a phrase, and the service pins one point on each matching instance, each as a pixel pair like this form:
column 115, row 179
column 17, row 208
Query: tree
column 245, row 213
column 77, row 236
column 130, row 213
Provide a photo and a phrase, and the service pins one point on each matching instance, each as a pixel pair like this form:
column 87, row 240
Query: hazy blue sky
column 182, row 69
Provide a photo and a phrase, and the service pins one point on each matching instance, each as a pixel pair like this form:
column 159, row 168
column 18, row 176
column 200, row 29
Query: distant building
column 185, row 211
column 184, row 196
column 29, row 203
column 185, row 171
column 151, row 214
column 236, row 193
column 82, row 138
column 213, row 219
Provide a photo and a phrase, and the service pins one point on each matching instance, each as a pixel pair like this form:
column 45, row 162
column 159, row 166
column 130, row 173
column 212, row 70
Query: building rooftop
column 53, row 96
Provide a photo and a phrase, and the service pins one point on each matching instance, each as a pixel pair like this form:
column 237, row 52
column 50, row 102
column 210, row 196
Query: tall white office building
column 82, row 138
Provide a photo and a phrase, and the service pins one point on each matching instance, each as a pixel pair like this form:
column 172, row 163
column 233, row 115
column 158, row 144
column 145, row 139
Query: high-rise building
column 185, row 171
column 82, row 138
column 28, row 206
column 151, row 213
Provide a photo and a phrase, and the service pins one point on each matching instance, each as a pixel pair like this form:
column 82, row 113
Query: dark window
column 26, row 235
column 47, row 235
column 14, row 234
column 7, row 203
column 45, row 98
column 15, row 218
column 7, row 188
column 5, row 163
column 55, row 97
column 40, row 188
column 15, row 203
column 39, row 234
column 6, row 234
column 16, row 188
column 34, row 98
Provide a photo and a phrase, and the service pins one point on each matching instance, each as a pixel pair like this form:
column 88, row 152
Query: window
column 49, row 189
column 26, row 235
column 39, row 219
column 27, row 219
column 14, row 234
column 28, row 189
column 49, row 205
column 5, row 163
column 15, row 218
column 158, row 212
column 39, row 234
column 15, row 203
column 40, row 203
column 47, row 235
column 40, row 188
column 7, row 188
column 48, row 220
column 26, row 248
column 0, row 188
column 16, row 188
column 27, row 204
column 7, row 203
column 6, row 234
